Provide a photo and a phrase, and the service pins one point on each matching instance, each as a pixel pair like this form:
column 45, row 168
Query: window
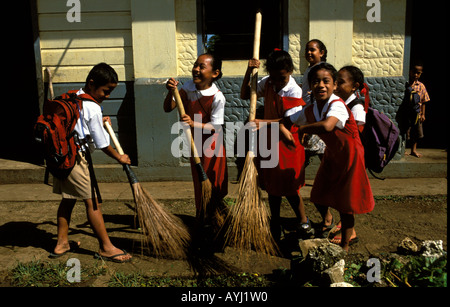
column 226, row 28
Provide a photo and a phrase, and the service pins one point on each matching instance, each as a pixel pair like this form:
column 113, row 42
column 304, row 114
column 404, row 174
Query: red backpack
column 54, row 132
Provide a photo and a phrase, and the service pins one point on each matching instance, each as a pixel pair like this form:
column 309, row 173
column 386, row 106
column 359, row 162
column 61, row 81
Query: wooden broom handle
column 179, row 102
column 254, row 76
column 114, row 138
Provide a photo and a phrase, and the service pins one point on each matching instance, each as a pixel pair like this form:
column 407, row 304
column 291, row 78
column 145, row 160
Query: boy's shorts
column 78, row 184
column 415, row 132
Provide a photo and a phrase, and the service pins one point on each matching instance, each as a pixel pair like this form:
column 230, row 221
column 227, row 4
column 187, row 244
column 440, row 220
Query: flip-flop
column 352, row 241
column 73, row 246
column 113, row 257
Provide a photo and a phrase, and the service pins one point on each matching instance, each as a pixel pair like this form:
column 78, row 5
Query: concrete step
column 433, row 164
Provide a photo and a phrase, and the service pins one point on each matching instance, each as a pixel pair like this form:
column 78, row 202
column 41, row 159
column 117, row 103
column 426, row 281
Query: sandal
column 113, row 257
column 324, row 230
column 73, row 246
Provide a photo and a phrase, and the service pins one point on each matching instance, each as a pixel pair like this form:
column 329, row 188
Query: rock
column 306, row 245
column 335, row 274
column 432, row 249
column 342, row 285
column 324, row 256
column 407, row 246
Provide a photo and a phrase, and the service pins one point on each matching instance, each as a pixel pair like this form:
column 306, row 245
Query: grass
column 407, row 271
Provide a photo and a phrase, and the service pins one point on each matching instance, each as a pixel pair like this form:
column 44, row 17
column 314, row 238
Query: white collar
column 211, row 91
column 318, row 115
column 351, row 98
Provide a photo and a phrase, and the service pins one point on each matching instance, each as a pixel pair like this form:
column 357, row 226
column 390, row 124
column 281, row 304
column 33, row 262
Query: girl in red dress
column 341, row 181
column 282, row 97
column 204, row 105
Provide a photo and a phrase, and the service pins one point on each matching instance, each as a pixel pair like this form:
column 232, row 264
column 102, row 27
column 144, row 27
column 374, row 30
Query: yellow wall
column 71, row 49
column 158, row 39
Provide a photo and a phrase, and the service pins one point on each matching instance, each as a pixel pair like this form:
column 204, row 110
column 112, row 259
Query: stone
column 341, row 285
column 432, row 249
column 407, row 246
column 324, row 256
column 335, row 274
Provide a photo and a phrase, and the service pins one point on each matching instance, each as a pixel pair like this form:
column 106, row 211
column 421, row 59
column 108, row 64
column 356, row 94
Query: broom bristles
column 249, row 223
column 163, row 231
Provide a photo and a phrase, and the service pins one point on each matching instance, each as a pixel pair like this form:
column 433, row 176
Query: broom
column 165, row 232
column 206, row 184
column 249, row 223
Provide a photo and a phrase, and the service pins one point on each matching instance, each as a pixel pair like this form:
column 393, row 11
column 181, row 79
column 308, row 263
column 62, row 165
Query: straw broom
column 163, row 231
column 249, row 223
column 205, row 182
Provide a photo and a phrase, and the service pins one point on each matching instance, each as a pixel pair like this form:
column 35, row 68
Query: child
column 341, row 181
column 282, row 97
column 415, row 131
column 100, row 82
column 315, row 52
column 350, row 80
column 204, row 104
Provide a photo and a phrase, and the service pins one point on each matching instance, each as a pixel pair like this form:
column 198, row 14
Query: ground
column 28, row 232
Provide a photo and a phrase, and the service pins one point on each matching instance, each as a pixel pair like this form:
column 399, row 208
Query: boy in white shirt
column 100, row 82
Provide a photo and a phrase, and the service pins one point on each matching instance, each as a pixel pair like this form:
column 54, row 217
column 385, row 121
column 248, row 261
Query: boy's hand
column 124, row 159
column 107, row 119
column 171, row 84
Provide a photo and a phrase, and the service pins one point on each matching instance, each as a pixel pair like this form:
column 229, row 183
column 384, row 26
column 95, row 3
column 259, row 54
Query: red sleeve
column 292, row 102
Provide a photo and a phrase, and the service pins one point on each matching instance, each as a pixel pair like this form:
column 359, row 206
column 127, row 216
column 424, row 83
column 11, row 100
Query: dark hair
column 102, row 74
column 322, row 47
column 216, row 64
column 279, row 60
column 356, row 74
column 416, row 63
column 312, row 73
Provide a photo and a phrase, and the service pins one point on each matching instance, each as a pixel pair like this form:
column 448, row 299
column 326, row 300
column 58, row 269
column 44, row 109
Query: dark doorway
column 20, row 103
column 428, row 46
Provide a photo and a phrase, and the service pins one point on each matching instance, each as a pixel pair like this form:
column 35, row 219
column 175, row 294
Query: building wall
column 150, row 41
column 70, row 49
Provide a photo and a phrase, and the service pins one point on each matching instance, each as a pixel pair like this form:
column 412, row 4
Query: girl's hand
column 171, row 84
column 287, row 137
column 253, row 63
column 187, row 119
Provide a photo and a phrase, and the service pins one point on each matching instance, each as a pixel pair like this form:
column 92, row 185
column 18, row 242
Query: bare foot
column 63, row 248
column 415, row 154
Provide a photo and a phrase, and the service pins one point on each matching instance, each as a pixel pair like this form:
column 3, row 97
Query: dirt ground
column 28, row 232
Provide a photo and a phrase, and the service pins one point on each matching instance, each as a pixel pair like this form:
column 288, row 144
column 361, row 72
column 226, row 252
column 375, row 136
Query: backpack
column 379, row 138
column 54, row 131
column 412, row 99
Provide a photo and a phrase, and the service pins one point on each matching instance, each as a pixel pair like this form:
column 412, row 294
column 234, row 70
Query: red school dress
column 341, row 181
column 210, row 105
column 288, row 176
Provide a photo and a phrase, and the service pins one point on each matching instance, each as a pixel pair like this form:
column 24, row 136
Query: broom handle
column 114, row 138
column 181, row 111
column 130, row 174
column 254, row 75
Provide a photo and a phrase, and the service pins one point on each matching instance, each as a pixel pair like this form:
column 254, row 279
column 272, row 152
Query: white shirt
column 90, row 125
column 218, row 104
column 358, row 111
column 291, row 89
column 337, row 110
